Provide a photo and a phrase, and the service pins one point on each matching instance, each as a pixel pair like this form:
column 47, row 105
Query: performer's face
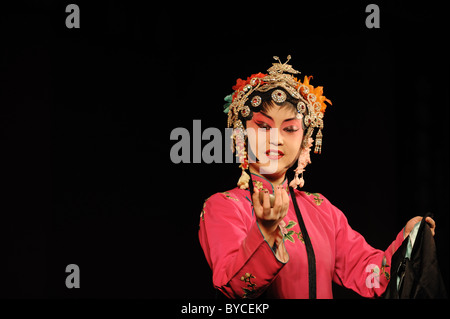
column 275, row 138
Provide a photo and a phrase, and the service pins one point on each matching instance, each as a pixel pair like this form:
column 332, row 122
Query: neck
column 275, row 179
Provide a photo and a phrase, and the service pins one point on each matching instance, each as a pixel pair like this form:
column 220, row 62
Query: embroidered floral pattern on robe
column 258, row 185
column 384, row 265
column 289, row 234
column 227, row 195
column 317, row 198
column 250, row 290
column 202, row 214
column 245, row 265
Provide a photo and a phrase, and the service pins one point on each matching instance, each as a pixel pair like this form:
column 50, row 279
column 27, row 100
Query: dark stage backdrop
column 86, row 116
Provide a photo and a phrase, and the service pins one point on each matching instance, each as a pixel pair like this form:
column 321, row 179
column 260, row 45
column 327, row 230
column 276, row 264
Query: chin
column 273, row 173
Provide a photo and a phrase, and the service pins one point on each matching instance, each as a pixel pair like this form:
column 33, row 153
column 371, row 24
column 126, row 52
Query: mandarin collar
column 261, row 182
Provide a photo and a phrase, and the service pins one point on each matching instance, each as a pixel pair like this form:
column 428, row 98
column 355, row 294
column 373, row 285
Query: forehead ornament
column 278, row 96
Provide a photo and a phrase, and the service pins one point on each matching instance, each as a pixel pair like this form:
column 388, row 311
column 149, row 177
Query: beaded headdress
column 282, row 86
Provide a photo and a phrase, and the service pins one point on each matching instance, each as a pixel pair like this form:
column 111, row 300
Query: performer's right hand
column 269, row 218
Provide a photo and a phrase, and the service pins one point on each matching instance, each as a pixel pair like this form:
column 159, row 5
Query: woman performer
column 265, row 236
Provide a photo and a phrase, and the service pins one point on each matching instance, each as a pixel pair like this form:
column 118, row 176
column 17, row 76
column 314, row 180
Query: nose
column 275, row 137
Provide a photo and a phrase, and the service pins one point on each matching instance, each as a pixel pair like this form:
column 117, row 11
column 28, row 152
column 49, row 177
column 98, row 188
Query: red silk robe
column 244, row 265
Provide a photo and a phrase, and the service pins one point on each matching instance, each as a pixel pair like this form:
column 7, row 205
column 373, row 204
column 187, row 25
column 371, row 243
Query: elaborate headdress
column 281, row 85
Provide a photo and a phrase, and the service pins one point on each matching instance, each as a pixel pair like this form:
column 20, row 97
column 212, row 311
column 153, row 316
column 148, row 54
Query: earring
column 297, row 182
column 303, row 160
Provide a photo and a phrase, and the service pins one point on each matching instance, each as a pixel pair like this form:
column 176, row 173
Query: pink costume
column 244, row 265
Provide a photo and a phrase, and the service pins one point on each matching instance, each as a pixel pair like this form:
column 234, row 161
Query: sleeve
column 358, row 266
column 242, row 262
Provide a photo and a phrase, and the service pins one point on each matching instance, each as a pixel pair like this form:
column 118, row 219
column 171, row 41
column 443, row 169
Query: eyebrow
column 286, row 120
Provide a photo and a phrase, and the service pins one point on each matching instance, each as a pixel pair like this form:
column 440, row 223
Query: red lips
column 274, row 154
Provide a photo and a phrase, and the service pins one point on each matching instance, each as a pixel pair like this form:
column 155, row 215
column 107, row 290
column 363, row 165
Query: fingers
column 262, row 210
column 281, row 202
column 430, row 221
column 262, row 205
column 285, row 200
column 413, row 221
column 266, row 203
column 255, row 199
column 278, row 200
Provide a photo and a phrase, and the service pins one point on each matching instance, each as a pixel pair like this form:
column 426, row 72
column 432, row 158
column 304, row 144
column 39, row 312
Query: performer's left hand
column 410, row 224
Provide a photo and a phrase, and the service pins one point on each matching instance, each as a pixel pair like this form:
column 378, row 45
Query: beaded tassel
column 239, row 136
column 318, row 148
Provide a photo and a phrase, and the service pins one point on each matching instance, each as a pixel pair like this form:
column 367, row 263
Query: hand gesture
column 268, row 218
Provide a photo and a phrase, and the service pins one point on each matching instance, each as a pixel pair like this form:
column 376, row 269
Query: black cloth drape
column 420, row 276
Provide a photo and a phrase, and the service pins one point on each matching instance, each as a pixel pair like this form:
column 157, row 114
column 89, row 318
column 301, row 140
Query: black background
column 86, row 116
